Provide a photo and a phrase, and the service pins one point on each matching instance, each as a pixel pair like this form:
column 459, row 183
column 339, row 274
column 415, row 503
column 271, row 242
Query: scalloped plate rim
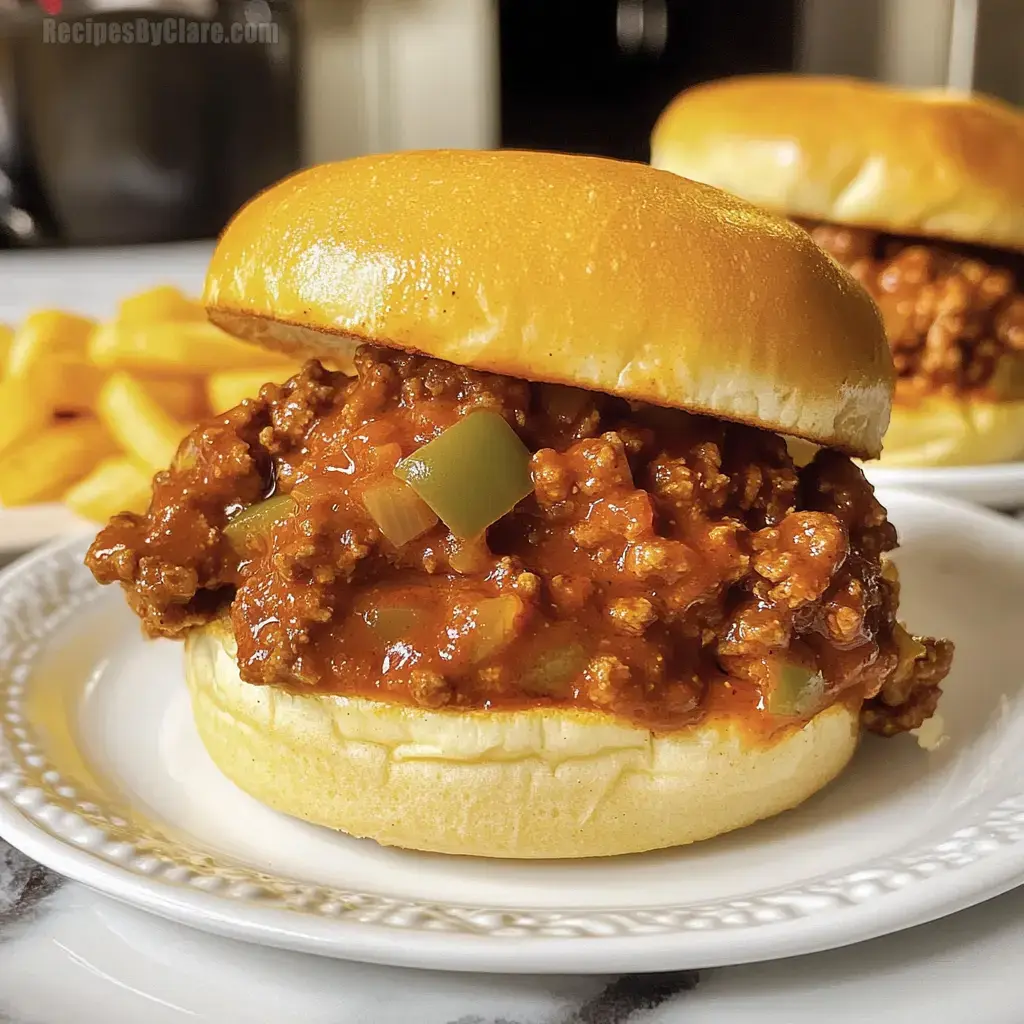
column 305, row 933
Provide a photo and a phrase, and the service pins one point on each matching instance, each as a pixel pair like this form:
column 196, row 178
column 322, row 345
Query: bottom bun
column 535, row 783
column 943, row 431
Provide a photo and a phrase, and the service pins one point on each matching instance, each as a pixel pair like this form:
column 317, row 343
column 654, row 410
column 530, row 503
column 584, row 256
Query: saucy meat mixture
column 660, row 566
column 954, row 315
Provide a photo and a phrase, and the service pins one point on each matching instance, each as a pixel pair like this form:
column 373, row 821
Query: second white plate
column 103, row 778
column 1000, row 485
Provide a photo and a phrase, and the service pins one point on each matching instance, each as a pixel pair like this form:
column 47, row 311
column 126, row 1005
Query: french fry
column 161, row 303
column 67, row 384
column 138, row 422
column 22, row 413
column 183, row 397
column 225, row 390
column 44, row 336
column 6, row 337
column 133, row 387
column 117, row 484
column 42, row 467
column 73, row 385
column 169, row 349
column 28, row 401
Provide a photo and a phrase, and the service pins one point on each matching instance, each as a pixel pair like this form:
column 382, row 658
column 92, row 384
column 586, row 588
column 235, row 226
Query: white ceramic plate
column 998, row 486
column 91, row 282
column 22, row 529
column 102, row 777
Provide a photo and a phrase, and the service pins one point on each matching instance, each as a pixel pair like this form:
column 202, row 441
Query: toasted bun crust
column 607, row 275
column 538, row 783
column 944, row 431
column 929, row 163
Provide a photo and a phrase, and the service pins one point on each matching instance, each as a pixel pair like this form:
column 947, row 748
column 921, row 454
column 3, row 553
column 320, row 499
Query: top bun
column 932, row 163
column 605, row 275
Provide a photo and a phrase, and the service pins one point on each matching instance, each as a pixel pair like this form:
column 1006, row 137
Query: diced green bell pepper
column 258, row 520
column 472, row 474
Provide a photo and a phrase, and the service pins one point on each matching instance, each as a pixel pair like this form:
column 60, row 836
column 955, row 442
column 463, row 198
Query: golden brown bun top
column 932, row 162
column 607, row 275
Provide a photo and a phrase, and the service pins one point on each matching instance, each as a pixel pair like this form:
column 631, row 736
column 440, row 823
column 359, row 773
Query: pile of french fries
column 90, row 411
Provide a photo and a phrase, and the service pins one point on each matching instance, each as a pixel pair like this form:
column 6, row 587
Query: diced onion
column 495, row 624
column 908, row 649
column 472, row 474
column 393, row 622
column 889, row 571
column 399, row 512
column 796, row 691
column 553, row 670
column 187, row 454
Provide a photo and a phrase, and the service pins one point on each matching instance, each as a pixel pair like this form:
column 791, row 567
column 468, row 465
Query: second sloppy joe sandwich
column 921, row 195
column 540, row 578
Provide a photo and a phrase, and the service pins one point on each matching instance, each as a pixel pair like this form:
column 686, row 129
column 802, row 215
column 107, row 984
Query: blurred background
column 114, row 143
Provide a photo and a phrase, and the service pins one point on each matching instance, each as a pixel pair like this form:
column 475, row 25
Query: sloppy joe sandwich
column 921, row 195
column 540, row 578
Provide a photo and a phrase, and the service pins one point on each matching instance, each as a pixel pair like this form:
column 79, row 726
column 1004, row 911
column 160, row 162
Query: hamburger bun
column 931, row 163
column 524, row 784
column 589, row 272
column 578, row 270
column 942, row 430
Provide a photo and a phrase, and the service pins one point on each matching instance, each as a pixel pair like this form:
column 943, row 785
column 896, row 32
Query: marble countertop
column 70, row 955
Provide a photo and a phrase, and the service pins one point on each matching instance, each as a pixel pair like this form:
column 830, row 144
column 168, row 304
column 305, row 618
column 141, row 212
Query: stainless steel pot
column 146, row 143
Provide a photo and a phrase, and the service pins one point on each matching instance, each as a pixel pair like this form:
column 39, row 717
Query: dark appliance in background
column 118, row 144
column 591, row 76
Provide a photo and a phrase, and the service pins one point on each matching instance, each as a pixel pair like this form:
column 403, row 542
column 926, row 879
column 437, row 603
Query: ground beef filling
column 954, row 316
column 665, row 568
